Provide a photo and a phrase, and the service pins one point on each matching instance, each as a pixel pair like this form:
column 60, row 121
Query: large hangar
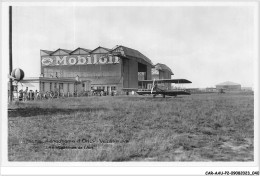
column 67, row 71
column 229, row 86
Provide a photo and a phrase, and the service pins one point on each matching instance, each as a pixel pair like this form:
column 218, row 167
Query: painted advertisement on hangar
column 79, row 60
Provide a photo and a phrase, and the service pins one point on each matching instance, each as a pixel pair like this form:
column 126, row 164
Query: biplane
column 157, row 87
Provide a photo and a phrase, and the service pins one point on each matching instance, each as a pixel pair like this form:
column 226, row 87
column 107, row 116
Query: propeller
column 152, row 86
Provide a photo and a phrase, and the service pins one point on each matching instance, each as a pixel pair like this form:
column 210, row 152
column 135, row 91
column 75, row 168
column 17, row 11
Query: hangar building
column 229, row 86
column 117, row 69
column 162, row 71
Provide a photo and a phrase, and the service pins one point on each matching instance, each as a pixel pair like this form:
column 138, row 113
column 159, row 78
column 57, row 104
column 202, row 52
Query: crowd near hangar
column 118, row 69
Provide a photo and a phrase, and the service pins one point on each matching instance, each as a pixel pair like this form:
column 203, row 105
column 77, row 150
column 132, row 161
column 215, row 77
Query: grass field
column 206, row 127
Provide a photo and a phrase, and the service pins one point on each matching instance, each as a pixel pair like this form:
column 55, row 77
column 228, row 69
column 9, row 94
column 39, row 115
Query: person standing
column 25, row 94
column 36, row 94
column 30, row 95
column 20, row 95
column 33, row 95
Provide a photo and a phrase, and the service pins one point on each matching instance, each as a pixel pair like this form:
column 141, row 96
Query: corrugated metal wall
column 125, row 72
column 83, row 70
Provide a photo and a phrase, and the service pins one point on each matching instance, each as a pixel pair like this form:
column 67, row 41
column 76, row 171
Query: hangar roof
column 45, row 52
column 160, row 66
column 133, row 53
column 228, row 83
column 100, row 49
column 80, row 51
column 128, row 52
column 61, row 52
column 68, row 51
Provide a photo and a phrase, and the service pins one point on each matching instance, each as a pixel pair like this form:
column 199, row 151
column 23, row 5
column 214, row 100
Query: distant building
column 211, row 89
column 193, row 90
column 246, row 89
column 229, row 86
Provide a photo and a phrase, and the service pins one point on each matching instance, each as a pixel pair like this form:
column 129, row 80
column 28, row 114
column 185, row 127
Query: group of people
column 102, row 93
column 26, row 95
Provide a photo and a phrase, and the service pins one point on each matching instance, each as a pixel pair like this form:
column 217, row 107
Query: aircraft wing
column 169, row 92
column 176, row 81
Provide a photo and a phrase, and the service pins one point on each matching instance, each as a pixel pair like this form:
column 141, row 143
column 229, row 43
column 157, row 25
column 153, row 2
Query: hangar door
column 142, row 71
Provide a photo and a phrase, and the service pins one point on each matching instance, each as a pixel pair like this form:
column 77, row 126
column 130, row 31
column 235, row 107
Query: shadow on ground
column 32, row 111
column 148, row 98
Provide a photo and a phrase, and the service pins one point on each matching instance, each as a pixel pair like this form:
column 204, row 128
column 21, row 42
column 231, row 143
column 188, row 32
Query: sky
column 204, row 44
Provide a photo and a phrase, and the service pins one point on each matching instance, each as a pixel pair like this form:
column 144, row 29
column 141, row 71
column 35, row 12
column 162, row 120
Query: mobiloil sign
column 79, row 60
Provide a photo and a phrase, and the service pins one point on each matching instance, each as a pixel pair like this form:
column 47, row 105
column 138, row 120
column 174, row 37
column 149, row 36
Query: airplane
column 156, row 89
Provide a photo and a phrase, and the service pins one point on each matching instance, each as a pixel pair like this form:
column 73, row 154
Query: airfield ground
column 205, row 127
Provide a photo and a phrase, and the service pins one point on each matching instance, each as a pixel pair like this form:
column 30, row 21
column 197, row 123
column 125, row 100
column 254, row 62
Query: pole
column 10, row 54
